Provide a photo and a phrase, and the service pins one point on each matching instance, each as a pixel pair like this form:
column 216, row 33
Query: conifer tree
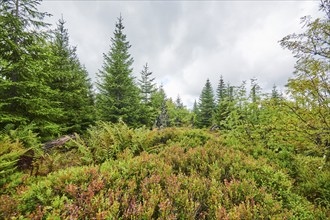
column 241, row 98
column 275, row 94
column 251, row 113
column 146, row 84
column 25, row 96
column 206, row 106
column 255, row 91
column 147, row 88
column 157, row 98
column 195, row 109
column 195, row 112
column 222, row 103
column 178, row 113
column 71, row 81
column 221, row 91
column 118, row 96
column 163, row 121
column 25, row 11
column 178, row 102
column 230, row 92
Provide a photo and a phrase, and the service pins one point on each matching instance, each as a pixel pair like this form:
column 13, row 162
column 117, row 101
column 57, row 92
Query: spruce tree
column 275, row 93
column 230, row 92
column 195, row 112
column 118, row 96
column 255, row 91
column 147, row 88
column 146, row 84
column 157, row 98
column 179, row 115
column 25, row 96
column 195, row 109
column 163, row 121
column 206, row 106
column 71, row 81
column 221, row 91
column 25, row 11
column 241, row 99
column 254, row 107
column 222, row 103
column 178, row 103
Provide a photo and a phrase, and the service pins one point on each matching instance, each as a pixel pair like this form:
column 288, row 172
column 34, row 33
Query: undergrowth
column 115, row 172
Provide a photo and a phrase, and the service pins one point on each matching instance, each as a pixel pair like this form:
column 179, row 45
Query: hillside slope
column 175, row 173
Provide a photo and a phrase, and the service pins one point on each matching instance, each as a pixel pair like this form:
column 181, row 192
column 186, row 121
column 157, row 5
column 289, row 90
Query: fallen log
column 214, row 128
column 58, row 142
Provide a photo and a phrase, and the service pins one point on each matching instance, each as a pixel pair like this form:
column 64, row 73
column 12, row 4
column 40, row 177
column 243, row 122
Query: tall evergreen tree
column 118, row 96
column 178, row 113
column 25, row 11
column 147, row 88
column 195, row 109
column 254, row 106
column 178, row 102
column 146, row 84
column 158, row 97
column 230, row 92
column 24, row 96
column 206, row 106
column 241, row 98
column 222, row 103
column 71, row 81
column 221, row 91
column 255, row 91
column 195, row 112
column 163, row 121
column 275, row 93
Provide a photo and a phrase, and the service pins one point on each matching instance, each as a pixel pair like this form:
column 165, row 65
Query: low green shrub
column 106, row 141
column 115, row 172
column 10, row 153
column 23, row 134
column 205, row 182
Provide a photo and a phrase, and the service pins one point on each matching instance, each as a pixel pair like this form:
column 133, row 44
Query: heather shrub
column 312, row 179
column 173, row 173
column 208, row 182
column 157, row 140
column 190, row 138
column 308, row 171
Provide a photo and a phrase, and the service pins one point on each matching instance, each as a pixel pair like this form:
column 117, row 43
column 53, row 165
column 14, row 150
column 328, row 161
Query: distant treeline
column 44, row 87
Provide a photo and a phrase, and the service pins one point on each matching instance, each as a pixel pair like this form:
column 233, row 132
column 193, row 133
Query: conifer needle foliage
column 118, row 96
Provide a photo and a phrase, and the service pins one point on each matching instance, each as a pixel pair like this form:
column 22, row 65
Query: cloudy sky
column 186, row 42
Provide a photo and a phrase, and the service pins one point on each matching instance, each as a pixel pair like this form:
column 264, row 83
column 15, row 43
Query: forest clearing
column 125, row 150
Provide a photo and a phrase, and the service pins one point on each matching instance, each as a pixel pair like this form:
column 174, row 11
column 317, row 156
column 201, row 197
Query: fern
column 9, row 155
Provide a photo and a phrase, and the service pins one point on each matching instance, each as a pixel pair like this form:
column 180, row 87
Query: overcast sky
column 186, row 42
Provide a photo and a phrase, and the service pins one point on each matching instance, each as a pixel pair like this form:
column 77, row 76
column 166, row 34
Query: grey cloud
column 187, row 42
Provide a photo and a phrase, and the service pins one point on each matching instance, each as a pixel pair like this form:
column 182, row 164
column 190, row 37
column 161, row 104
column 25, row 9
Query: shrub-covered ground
column 114, row 172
